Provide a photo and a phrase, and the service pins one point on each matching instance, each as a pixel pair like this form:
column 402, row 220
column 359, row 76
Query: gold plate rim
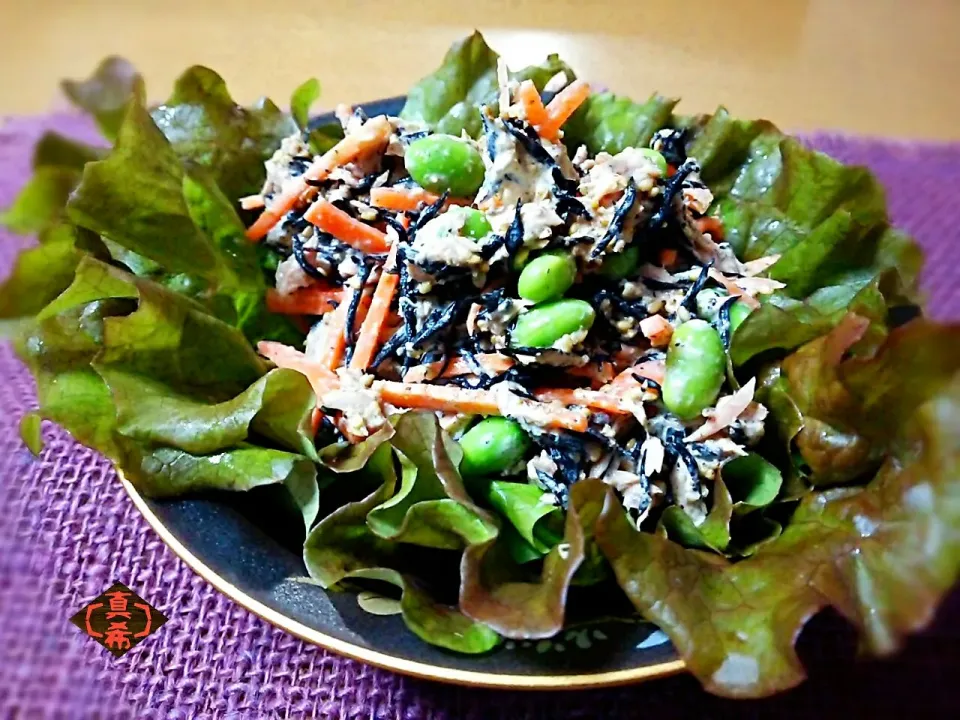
column 383, row 660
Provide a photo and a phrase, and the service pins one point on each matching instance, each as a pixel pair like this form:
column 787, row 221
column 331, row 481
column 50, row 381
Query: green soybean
column 655, row 157
column 492, row 446
column 738, row 313
column 476, row 224
column 444, row 163
column 695, row 369
column 547, row 277
column 617, row 266
column 544, row 324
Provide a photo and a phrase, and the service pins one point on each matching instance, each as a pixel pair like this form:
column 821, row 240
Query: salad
column 576, row 345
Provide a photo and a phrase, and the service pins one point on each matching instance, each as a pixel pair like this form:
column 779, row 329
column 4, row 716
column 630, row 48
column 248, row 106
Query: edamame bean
column 491, row 446
column 547, row 277
column 655, row 157
column 444, row 163
column 476, row 225
column 695, row 369
column 617, row 266
column 738, row 313
column 544, row 324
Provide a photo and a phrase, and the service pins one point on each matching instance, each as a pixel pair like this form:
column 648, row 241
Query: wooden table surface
column 882, row 67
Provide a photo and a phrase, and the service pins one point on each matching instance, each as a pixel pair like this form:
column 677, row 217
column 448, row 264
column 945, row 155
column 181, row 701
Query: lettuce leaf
column 431, row 507
column 882, row 554
column 610, row 123
column 106, row 93
column 206, row 127
column 176, row 398
column 449, row 100
column 502, row 595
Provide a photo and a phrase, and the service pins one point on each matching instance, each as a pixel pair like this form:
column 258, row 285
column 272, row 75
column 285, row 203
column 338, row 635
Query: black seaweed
column 529, row 140
column 619, row 218
column 363, row 273
column 690, row 299
column 514, row 237
column 300, row 253
column 723, row 320
column 299, row 164
column 670, row 190
column 672, row 145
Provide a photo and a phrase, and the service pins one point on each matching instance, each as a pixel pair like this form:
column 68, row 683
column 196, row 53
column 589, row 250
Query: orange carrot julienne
column 355, row 233
column 529, row 98
column 668, row 256
column 712, row 225
column 477, row 402
column 597, row 373
column 586, row 398
column 657, row 330
column 369, row 337
column 401, row 199
column 321, row 378
column 563, row 105
column 373, row 135
column 335, row 339
column 311, row 300
column 493, row 363
column 650, row 369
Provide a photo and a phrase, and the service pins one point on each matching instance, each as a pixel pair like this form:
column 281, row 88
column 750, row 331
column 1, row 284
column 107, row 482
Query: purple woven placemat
column 68, row 531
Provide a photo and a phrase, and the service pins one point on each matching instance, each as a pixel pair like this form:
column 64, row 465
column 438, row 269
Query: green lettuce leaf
column 56, row 150
column 106, row 93
column 713, row 533
column 437, row 624
column 502, row 595
column 141, row 195
column 206, row 127
column 609, row 123
column 39, row 274
column 277, row 407
column 449, row 100
column 302, row 100
column 431, row 507
column 535, row 521
column 41, row 202
column 342, row 543
column 882, row 554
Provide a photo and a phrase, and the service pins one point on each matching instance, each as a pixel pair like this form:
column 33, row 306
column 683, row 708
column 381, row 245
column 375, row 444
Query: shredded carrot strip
column 652, row 369
column 563, row 105
column 657, row 330
column 492, row 363
column 252, row 202
column 712, row 225
column 476, row 402
column 581, row 396
column 401, row 199
column 358, row 235
column 668, row 257
column 311, row 300
column 371, row 137
column 321, row 378
column 597, row 374
column 373, row 323
column 335, row 339
column 529, row 98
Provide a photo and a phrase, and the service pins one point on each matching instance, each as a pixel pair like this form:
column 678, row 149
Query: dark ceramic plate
column 248, row 546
